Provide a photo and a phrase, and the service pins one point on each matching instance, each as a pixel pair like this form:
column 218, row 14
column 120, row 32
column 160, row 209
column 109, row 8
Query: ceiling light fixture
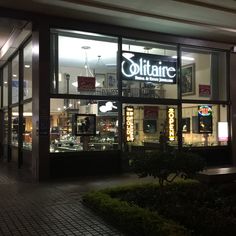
column 185, row 58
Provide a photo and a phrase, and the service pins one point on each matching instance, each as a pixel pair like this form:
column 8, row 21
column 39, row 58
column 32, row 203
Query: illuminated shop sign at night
column 148, row 68
column 171, row 123
column 129, row 123
column 204, row 110
column 205, row 119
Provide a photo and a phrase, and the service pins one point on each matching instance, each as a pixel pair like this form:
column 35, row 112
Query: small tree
column 166, row 166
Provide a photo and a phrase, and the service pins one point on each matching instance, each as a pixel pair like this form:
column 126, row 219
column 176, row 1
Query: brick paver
column 47, row 208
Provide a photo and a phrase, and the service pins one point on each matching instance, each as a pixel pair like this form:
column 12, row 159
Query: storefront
column 97, row 95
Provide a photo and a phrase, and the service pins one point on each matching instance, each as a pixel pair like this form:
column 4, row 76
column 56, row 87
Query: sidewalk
column 52, row 208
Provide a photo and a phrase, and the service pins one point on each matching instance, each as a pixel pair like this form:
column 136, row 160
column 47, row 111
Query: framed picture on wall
column 186, row 125
column 188, row 79
column 84, row 124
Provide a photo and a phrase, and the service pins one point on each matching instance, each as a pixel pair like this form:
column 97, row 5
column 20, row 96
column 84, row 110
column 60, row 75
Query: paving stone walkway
column 49, row 208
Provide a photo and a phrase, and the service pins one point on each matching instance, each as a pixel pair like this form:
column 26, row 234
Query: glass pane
column 15, row 126
column 83, row 125
column 15, row 80
column 149, row 126
column 148, row 69
column 204, row 125
column 203, row 75
column 27, row 126
column 28, row 71
column 5, row 86
column 87, row 65
column 0, row 96
column 5, row 128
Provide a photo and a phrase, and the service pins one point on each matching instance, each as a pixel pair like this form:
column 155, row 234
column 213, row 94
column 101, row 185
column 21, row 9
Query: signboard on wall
column 129, row 123
column 148, row 68
column 86, row 83
column 204, row 90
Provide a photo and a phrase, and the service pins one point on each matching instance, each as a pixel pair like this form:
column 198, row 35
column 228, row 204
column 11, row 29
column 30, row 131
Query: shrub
column 166, row 166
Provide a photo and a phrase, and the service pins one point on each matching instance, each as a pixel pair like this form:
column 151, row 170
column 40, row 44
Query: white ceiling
column 204, row 19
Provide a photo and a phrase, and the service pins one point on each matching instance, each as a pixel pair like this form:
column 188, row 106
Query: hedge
column 130, row 218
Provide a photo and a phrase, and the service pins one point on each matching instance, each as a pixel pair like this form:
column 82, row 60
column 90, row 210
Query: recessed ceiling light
column 14, row 75
column 27, row 66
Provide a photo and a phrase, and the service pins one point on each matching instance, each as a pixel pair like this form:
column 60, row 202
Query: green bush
column 202, row 210
column 131, row 218
column 166, row 166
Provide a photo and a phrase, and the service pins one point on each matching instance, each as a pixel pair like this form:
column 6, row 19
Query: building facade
column 75, row 96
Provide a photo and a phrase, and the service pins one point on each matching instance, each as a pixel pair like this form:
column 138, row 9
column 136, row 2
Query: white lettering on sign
column 142, row 69
column 171, row 122
column 129, row 123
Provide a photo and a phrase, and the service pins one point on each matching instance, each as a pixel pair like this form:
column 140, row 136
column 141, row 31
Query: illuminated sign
column 129, row 123
column 107, row 108
column 223, row 132
column 204, row 110
column 171, row 123
column 147, row 67
column 205, row 119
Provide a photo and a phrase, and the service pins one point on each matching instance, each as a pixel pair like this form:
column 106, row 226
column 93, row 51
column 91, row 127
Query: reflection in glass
column 5, row 86
column 15, row 126
column 27, row 84
column 15, row 80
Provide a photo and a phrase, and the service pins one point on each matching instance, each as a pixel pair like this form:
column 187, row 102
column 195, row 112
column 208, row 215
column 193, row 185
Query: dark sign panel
column 148, row 68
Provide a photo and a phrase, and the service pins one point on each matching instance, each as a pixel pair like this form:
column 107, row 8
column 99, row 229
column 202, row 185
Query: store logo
column 146, row 67
column 171, row 121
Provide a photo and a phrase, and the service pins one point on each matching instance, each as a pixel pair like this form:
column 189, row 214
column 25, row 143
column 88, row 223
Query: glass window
column 203, row 75
column 148, row 69
column 87, row 64
column 204, row 125
column 83, row 125
column 15, row 80
column 5, row 134
column 15, row 126
column 0, row 95
column 149, row 126
column 5, row 86
column 27, row 126
column 27, row 84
